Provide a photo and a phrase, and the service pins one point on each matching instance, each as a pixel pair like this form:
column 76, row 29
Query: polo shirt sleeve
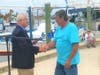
column 55, row 38
column 74, row 35
column 55, row 34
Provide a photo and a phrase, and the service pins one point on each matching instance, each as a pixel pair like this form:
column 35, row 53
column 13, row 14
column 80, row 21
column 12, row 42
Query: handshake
column 43, row 47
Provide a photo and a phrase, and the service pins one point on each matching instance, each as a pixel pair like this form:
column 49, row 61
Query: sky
column 22, row 4
column 33, row 3
column 39, row 3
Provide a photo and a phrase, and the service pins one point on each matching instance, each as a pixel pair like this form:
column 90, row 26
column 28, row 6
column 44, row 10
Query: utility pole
column 48, row 20
column 30, row 21
column 89, row 15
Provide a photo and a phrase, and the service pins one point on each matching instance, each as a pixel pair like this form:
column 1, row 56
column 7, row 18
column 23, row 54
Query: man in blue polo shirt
column 66, row 40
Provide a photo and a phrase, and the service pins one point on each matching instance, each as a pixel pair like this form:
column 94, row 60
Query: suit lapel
column 24, row 31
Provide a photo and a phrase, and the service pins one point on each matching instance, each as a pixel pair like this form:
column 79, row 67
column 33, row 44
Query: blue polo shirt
column 65, row 38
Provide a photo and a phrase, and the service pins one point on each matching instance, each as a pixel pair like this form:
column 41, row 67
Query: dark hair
column 62, row 13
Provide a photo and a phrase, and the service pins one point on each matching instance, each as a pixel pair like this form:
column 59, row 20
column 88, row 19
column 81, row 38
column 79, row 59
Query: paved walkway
column 89, row 65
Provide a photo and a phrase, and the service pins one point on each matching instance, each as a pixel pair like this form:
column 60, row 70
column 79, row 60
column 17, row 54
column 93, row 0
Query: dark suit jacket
column 23, row 50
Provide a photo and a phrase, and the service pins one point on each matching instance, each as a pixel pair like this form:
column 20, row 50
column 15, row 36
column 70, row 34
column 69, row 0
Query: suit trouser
column 25, row 72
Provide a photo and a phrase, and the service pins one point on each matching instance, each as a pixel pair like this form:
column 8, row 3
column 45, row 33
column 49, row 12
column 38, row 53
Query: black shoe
column 94, row 46
column 88, row 46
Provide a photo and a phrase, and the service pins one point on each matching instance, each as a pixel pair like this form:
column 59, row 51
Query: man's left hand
column 67, row 64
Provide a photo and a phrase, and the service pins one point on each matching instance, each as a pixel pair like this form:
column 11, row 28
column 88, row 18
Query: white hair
column 20, row 16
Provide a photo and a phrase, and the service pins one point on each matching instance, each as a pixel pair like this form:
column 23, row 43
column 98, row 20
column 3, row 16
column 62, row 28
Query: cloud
column 23, row 3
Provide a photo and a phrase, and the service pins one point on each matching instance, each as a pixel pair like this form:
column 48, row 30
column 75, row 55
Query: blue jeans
column 62, row 70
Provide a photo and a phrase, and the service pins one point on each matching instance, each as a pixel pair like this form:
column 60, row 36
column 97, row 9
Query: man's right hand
column 43, row 47
column 34, row 41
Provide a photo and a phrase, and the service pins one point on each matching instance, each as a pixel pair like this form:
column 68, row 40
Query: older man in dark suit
column 23, row 49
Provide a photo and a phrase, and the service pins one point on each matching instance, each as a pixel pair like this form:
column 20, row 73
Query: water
column 4, row 58
column 4, row 47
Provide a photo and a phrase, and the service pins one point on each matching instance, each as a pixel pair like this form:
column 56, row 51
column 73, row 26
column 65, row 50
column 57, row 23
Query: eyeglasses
column 25, row 19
